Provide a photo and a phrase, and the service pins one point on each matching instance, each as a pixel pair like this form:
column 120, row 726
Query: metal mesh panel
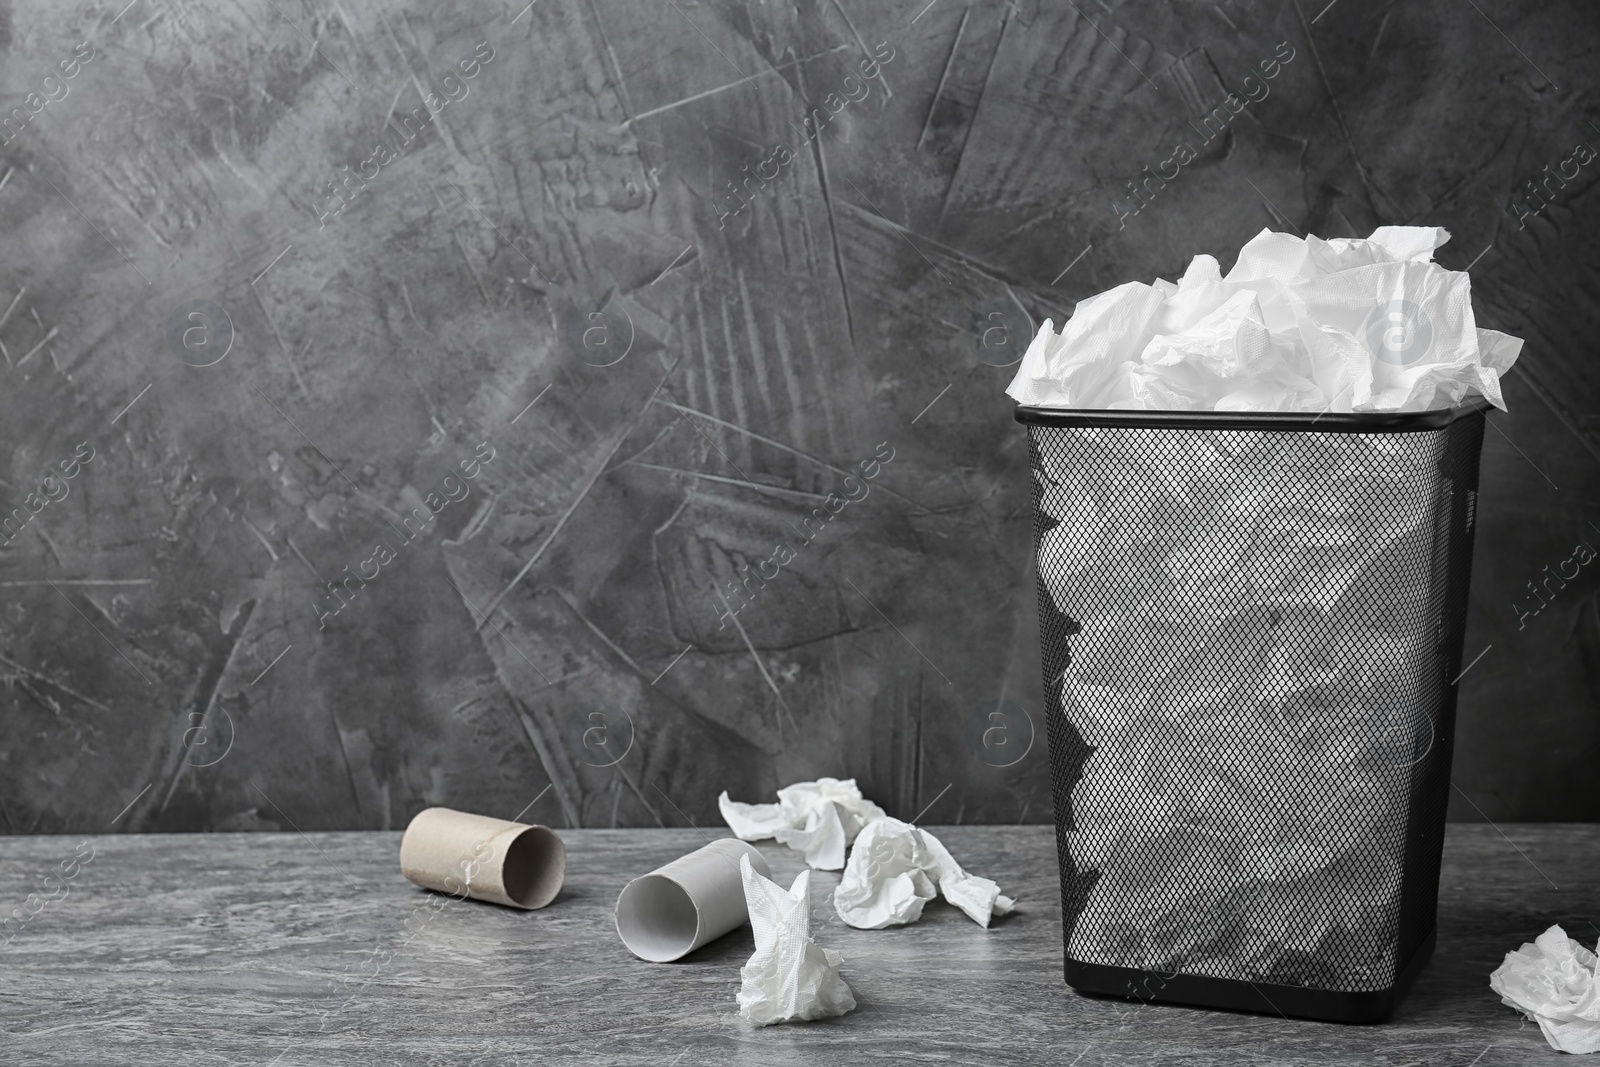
column 1250, row 639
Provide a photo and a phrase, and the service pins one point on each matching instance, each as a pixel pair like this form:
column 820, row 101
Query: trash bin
column 1252, row 631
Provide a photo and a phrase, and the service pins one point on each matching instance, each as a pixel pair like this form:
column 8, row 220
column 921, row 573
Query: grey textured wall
column 270, row 381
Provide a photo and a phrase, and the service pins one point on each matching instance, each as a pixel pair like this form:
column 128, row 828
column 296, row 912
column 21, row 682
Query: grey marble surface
column 289, row 949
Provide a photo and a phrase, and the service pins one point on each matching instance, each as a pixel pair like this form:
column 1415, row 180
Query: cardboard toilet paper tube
column 508, row 863
column 673, row 910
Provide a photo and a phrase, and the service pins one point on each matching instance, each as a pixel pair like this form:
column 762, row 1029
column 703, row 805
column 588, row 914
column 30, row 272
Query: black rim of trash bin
column 1327, row 422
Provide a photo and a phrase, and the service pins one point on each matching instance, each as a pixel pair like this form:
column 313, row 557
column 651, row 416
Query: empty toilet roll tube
column 509, row 863
column 673, row 910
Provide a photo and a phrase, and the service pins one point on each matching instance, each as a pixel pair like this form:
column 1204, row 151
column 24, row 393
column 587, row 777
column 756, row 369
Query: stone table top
column 288, row 949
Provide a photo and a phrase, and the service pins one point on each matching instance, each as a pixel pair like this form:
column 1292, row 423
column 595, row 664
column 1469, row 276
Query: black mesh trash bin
column 1252, row 628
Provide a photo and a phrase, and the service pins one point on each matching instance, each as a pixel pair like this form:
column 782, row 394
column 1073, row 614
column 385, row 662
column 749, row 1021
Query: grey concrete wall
column 542, row 312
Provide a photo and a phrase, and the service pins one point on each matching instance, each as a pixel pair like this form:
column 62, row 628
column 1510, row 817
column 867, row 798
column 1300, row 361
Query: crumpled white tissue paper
column 1297, row 325
column 789, row 976
column 818, row 818
column 979, row 897
column 886, row 882
column 1554, row 982
column 896, row 868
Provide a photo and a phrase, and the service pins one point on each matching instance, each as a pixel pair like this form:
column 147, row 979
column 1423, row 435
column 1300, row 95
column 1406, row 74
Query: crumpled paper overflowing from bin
column 1297, row 325
column 789, row 976
column 1555, row 982
column 896, row 868
column 818, row 818
column 1246, row 672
